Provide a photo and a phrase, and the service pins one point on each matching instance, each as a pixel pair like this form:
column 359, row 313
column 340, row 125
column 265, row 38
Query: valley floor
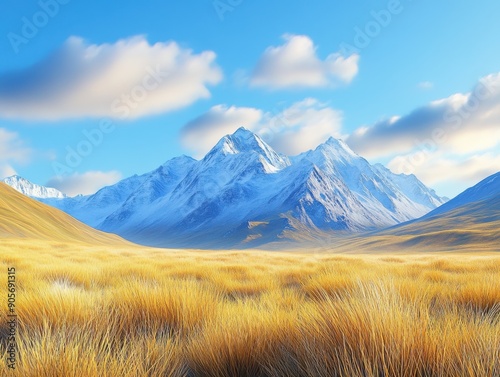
column 88, row 311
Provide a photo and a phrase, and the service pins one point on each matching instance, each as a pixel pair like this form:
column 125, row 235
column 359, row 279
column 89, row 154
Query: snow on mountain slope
column 214, row 192
column 236, row 159
column 395, row 198
column 93, row 209
column 244, row 142
column 242, row 181
column 141, row 205
column 412, row 187
column 128, row 196
column 32, row 190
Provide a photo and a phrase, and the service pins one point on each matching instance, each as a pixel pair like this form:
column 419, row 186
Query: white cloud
column 451, row 143
column 460, row 124
column 296, row 64
column 129, row 78
column 301, row 127
column 292, row 130
column 438, row 169
column 13, row 150
column 85, row 183
column 6, row 170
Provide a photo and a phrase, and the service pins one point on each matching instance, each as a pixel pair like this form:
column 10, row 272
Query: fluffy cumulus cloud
column 461, row 123
column 84, row 183
column 13, row 150
column 296, row 64
column 6, row 170
column 301, row 127
column 127, row 79
column 435, row 168
column 290, row 130
column 455, row 138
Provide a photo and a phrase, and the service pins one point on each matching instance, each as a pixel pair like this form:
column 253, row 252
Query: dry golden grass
column 22, row 217
column 90, row 311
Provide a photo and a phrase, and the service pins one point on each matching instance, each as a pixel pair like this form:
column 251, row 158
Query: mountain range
column 245, row 194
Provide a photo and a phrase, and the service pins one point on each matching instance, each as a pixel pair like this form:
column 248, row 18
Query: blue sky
column 398, row 80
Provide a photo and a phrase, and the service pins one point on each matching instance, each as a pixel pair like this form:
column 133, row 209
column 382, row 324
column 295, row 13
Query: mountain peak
column 15, row 178
column 242, row 132
column 339, row 144
column 30, row 189
column 180, row 160
column 333, row 141
column 332, row 150
column 243, row 141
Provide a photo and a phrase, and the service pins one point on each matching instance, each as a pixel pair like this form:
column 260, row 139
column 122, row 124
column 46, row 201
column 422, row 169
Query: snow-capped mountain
column 390, row 196
column 245, row 193
column 32, row 190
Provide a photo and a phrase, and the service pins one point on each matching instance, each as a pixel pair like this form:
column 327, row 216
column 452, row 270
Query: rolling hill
column 469, row 222
column 24, row 218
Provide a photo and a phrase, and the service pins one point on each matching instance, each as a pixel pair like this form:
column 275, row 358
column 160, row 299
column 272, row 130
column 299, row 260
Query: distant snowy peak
column 334, row 153
column 338, row 148
column 32, row 190
column 251, row 148
column 414, row 189
column 388, row 195
column 182, row 162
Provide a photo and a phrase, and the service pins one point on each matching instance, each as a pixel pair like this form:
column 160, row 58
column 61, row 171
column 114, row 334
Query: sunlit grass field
column 100, row 311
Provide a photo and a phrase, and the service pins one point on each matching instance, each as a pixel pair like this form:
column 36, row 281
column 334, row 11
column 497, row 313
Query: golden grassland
column 102, row 311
